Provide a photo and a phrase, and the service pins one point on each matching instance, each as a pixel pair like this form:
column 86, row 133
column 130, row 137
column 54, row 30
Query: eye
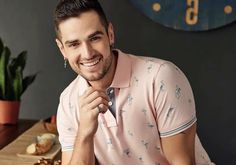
column 95, row 38
column 73, row 44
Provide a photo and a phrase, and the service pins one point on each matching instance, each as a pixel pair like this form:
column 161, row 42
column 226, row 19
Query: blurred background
column 207, row 58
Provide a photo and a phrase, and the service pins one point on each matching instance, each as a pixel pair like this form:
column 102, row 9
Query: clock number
column 192, row 12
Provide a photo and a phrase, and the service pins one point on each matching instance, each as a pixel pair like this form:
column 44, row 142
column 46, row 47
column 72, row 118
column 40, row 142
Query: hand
column 90, row 105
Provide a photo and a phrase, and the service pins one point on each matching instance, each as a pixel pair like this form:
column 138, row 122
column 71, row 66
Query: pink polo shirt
column 152, row 98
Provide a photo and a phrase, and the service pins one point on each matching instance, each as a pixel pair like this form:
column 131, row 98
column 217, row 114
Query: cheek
column 74, row 60
column 72, row 56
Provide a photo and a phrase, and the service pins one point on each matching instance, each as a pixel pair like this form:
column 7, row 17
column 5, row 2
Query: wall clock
column 190, row 15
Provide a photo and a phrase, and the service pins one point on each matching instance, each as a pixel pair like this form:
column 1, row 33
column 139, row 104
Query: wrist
column 84, row 136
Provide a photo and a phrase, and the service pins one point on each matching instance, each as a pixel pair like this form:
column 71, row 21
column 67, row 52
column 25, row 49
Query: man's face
column 86, row 44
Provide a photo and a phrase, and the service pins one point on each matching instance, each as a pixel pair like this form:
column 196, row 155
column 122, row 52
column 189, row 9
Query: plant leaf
column 27, row 81
column 4, row 60
column 17, row 84
column 1, row 47
column 20, row 60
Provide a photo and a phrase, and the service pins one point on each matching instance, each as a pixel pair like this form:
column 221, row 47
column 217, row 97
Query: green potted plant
column 12, row 84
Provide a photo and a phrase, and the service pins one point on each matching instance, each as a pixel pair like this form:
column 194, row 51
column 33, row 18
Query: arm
column 78, row 156
column 180, row 149
column 83, row 153
column 66, row 156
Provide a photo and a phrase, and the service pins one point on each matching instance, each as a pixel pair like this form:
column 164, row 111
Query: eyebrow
column 95, row 33
column 90, row 36
column 71, row 42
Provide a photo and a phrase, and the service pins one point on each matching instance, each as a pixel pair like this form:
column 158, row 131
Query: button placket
column 111, row 103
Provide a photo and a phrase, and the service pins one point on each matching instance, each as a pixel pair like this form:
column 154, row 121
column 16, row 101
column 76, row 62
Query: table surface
column 9, row 133
column 15, row 138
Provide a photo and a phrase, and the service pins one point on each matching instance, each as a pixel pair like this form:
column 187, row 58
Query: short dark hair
column 73, row 8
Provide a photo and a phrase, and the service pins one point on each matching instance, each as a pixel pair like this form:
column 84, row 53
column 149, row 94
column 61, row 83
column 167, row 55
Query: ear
column 61, row 47
column 111, row 34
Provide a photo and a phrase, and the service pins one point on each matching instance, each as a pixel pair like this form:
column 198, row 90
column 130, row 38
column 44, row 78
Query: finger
column 86, row 98
column 88, row 92
column 94, row 95
column 102, row 108
column 97, row 101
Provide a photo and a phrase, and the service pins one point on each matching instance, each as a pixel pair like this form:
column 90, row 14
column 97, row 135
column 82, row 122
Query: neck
column 106, row 81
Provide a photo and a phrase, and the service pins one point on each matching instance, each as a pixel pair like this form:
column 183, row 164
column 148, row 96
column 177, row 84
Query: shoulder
column 70, row 89
column 149, row 69
column 146, row 60
column 151, row 66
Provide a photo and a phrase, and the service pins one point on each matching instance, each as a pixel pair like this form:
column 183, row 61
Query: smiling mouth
column 91, row 63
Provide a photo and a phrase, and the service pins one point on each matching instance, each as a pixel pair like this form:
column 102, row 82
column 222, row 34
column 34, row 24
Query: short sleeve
column 174, row 101
column 66, row 124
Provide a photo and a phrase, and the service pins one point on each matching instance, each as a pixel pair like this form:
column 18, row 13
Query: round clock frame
column 189, row 15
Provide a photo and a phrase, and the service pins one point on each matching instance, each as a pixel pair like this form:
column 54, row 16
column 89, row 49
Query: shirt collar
column 82, row 85
column 123, row 71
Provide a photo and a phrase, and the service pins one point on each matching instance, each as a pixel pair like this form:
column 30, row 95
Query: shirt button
column 111, row 91
column 110, row 103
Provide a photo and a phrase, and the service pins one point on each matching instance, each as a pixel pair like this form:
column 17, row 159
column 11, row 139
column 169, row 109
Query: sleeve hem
column 67, row 148
column 179, row 129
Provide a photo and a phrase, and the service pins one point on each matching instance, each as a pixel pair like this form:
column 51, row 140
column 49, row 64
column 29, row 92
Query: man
column 121, row 109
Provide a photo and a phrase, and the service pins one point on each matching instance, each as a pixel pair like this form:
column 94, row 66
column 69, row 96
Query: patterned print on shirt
column 130, row 99
column 145, row 143
column 71, row 106
column 109, row 141
column 69, row 129
column 150, row 65
column 136, row 80
column 127, row 152
column 189, row 101
column 140, row 159
column 144, row 112
column 122, row 111
column 162, row 87
column 149, row 68
column 150, row 125
column 147, row 60
column 130, row 133
column 170, row 111
column 177, row 92
column 158, row 148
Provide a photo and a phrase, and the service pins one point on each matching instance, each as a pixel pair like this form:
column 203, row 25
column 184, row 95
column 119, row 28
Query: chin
column 93, row 77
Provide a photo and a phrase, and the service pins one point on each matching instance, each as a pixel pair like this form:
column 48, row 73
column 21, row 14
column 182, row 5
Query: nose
column 88, row 51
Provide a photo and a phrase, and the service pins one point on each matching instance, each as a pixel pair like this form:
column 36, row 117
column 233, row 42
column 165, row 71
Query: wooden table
column 8, row 133
column 15, row 138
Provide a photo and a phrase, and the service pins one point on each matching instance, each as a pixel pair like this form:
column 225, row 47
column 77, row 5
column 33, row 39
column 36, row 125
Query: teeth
column 91, row 63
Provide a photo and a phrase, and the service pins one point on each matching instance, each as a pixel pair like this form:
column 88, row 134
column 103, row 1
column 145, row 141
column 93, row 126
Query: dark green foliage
column 12, row 82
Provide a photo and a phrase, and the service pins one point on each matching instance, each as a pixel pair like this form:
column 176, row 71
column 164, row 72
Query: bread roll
column 44, row 144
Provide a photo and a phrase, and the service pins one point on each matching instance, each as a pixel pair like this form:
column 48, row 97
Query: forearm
column 179, row 149
column 83, row 153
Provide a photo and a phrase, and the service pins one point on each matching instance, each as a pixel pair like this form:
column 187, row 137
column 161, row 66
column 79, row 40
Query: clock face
column 190, row 15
